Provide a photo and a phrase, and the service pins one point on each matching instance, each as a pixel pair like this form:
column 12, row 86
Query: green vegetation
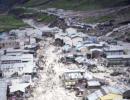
column 38, row 16
column 76, row 4
column 8, row 22
column 45, row 18
column 98, row 19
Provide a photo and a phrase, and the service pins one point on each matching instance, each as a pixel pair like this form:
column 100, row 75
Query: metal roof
column 93, row 83
column 118, row 56
column 19, row 87
column 15, row 63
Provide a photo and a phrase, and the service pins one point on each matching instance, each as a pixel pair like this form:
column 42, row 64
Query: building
column 118, row 60
column 3, row 90
column 106, row 93
column 20, row 64
column 19, row 91
column 71, row 77
column 93, row 84
column 94, row 45
column 9, row 44
column 114, row 50
column 18, row 87
column 111, row 96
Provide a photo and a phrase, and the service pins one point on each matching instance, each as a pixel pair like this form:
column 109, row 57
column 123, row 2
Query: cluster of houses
column 17, row 65
column 89, row 52
column 84, row 48
column 18, row 61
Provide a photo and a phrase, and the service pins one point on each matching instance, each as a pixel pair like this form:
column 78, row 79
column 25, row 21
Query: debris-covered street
column 49, row 85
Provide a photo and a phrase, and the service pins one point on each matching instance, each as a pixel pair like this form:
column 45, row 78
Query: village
column 49, row 63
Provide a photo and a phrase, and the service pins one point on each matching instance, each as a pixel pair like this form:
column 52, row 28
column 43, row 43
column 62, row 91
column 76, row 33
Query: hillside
column 77, row 4
column 8, row 22
column 65, row 4
column 87, row 10
column 6, row 4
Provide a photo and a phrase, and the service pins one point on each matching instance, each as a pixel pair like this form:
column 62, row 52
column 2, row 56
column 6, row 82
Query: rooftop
column 19, row 87
column 118, row 56
column 93, row 83
column 114, row 48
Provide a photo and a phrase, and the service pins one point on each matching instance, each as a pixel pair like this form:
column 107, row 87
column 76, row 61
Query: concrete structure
column 11, row 64
column 114, row 50
column 9, row 44
column 106, row 92
column 72, row 76
column 118, row 60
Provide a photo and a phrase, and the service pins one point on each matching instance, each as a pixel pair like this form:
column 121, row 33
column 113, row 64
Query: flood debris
column 50, row 63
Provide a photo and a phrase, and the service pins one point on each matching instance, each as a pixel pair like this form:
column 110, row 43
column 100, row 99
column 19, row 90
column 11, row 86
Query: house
column 94, row 96
column 118, row 60
column 3, row 90
column 20, row 64
column 68, row 58
column 19, row 87
column 80, row 60
column 11, row 51
column 76, row 40
column 95, row 53
column 71, row 31
column 71, row 77
column 111, row 96
column 110, row 92
column 9, row 44
column 114, row 50
column 66, row 48
column 82, row 48
column 19, row 91
column 93, row 84
column 94, row 45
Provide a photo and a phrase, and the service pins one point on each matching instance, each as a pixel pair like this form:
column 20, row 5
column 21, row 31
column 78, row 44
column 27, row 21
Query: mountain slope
column 77, row 4
column 6, row 4
column 65, row 4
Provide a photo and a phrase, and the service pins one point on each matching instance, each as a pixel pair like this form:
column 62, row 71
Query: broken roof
column 105, row 90
column 19, row 87
column 24, row 61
